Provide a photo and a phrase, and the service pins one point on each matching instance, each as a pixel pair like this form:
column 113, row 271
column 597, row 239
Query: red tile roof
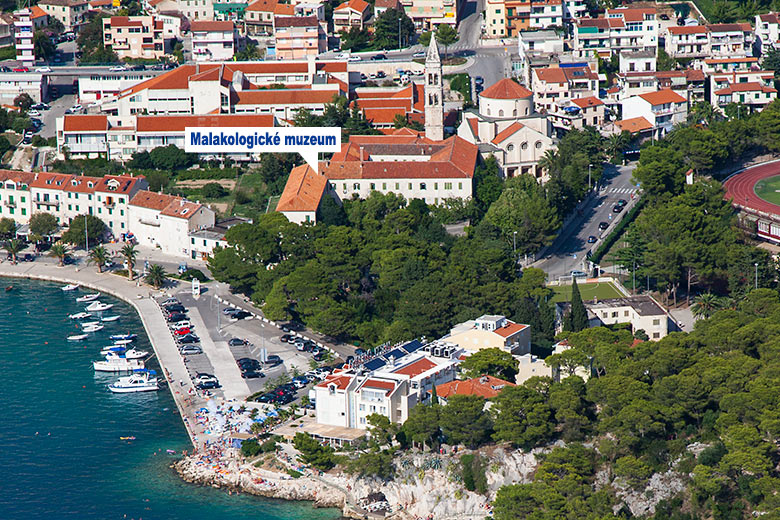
column 210, row 26
column 485, row 386
column 634, row 125
column 85, row 123
column 304, row 190
column 416, row 368
column 662, row 97
column 506, row 89
column 506, row 132
column 510, row 329
column 179, row 123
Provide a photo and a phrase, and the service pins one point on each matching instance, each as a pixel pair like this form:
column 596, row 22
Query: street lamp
column 756, row 265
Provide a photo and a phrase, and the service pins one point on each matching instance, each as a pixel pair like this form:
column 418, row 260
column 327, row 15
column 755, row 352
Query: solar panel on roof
column 374, row 364
column 412, row 346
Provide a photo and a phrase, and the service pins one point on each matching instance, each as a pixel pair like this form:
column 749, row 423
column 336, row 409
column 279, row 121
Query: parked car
column 252, row 374
column 237, row 342
column 190, row 349
column 273, row 359
column 603, row 225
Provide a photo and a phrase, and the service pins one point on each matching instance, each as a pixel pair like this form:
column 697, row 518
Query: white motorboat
column 99, row 306
column 110, row 318
column 78, row 337
column 88, row 297
column 123, row 351
column 79, row 315
column 71, row 287
column 89, row 323
column 115, row 363
column 93, row 328
column 139, row 381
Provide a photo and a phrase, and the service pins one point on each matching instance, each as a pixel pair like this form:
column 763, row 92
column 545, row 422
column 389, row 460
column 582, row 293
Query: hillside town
column 542, row 256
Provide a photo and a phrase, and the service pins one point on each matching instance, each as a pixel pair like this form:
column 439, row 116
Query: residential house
column 166, row 222
column 303, row 195
column 767, row 32
column 352, row 13
column 554, row 87
column 390, row 384
column 213, row 41
column 662, row 109
column 299, row 37
column 70, row 13
column 621, row 29
column 134, row 36
column 507, row 126
column 489, row 331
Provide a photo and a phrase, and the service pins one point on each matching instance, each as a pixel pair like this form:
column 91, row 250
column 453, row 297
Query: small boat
column 99, row 306
column 93, row 328
column 78, row 337
column 71, row 287
column 110, row 318
column 89, row 323
column 116, row 363
column 122, row 341
column 79, row 315
column 120, row 337
column 126, row 438
column 88, row 297
column 139, row 381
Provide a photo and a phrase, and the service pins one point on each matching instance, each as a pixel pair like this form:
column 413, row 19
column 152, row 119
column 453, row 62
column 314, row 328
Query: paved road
column 570, row 247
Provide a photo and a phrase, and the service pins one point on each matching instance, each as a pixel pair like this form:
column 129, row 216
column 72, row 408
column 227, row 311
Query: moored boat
column 71, row 287
column 98, row 306
column 139, row 381
column 88, row 297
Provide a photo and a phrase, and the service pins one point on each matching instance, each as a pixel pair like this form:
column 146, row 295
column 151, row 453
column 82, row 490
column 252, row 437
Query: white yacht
column 71, row 287
column 98, row 307
column 88, row 297
column 93, row 328
column 139, row 381
column 116, row 363
column 79, row 315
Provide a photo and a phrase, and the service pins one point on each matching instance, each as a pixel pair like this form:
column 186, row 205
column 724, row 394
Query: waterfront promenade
column 141, row 298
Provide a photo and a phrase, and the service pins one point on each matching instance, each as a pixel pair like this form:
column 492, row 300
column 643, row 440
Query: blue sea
column 60, row 450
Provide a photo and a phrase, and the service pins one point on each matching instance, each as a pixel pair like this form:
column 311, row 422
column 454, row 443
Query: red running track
column 740, row 188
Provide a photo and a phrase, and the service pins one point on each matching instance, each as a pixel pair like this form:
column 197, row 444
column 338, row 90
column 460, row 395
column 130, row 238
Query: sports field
column 588, row 291
column 769, row 189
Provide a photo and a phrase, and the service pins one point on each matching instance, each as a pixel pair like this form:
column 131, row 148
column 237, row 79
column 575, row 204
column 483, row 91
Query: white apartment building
column 767, row 32
column 213, row 41
column 621, row 29
column 166, row 222
column 725, row 40
column 134, row 36
column 508, row 127
column 390, row 384
column 662, row 110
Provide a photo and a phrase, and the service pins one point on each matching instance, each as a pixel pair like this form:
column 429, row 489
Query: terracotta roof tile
column 506, row 89
column 304, row 190
column 485, row 386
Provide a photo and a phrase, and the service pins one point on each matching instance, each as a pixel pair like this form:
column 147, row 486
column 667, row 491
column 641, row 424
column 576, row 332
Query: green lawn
column 588, row 291
column 769, row 189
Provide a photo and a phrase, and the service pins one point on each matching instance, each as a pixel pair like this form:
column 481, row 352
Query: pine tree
column 579, row 316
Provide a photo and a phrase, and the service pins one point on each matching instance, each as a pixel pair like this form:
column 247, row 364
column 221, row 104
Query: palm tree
column 59, row 251
column 156, row 275
column 129, row 252
column 705, row 305
column 98, row 255
column 13, row 247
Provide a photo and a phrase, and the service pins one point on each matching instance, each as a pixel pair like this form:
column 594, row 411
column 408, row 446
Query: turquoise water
column 60, row 452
